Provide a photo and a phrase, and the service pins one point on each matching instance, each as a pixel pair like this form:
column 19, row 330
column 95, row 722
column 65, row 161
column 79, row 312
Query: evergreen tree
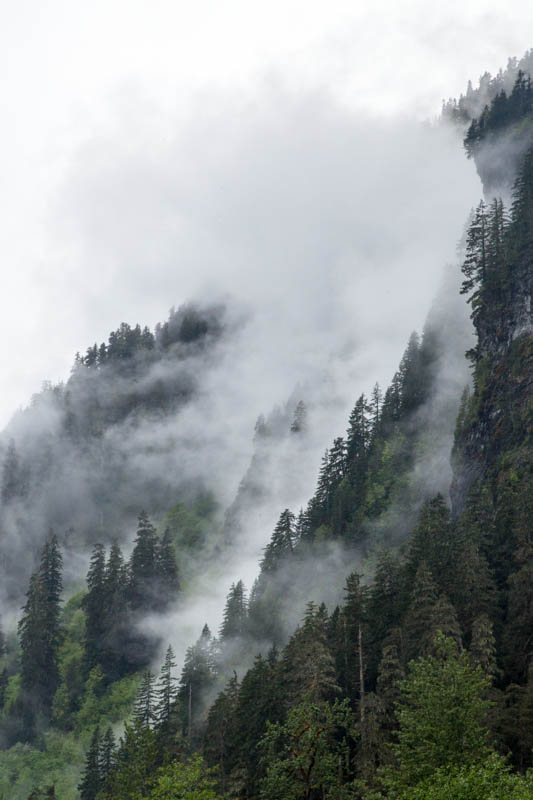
column 483, row 645
column 95, row 606
column 166, row 692
column 419, row 620
column 299, row 422
column 144, row 712
column 220, row 741
column 143, row 567
column 40, row 631
column 281, row 544
column 308, row 663
column 358, row 433
column 13, row 484
column 235, row 613
column 91, row 781
column 4, row 678
column 197, row 677
column 107, row 755
column 167, row 570
column 115, row 639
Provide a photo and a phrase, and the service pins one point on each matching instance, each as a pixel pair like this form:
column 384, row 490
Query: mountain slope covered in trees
column 384, row 650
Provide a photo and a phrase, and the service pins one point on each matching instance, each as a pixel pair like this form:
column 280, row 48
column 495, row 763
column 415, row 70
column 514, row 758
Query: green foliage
column 184, row 781
column 306, row 756
column 442, row 716
column 491, row 779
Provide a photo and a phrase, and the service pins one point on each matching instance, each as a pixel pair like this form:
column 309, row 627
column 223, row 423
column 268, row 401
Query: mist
column 322, row 232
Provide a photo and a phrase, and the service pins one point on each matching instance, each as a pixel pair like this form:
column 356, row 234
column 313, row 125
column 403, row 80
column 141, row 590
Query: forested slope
column 409, row 674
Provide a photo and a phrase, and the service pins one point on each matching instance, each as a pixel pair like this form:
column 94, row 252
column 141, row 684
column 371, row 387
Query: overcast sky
column 112, row 110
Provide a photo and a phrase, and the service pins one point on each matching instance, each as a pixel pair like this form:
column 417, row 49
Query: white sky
column 69, row 69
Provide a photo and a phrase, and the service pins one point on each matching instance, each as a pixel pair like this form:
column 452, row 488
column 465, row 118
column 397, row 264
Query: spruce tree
column 483, row 645
column 299, row 422
column 95, row 606
column 197, row 678
column 107, row 759
column 143, row 567
column 419, row 620
column 4, row 678
column 13, row 484
column 166, row 691
column 281, row 544
column 144, row 712
column 91, row 783
column 235, row 613
column 40, row 632
column 167, row 571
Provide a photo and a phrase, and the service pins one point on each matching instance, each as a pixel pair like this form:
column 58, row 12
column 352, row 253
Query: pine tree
column 144, row 712
column 220, row 741
column 115, row 630
column 107, row 759
column 391, row 673
column 281, row 544
column 13, row 483
column 299, row 422
column 235, row 613
column 95, row 606
column 166, row 692
column 197, row 677
column 476, row 259
column 308, row 663
column 419, row 620
column 358, row 433
column 143, row 566
column 483, row 645
column 91, row 781
column 410, row 376
column 40, row 632
column 4, row 678
column 430, row 542
column 167, row 571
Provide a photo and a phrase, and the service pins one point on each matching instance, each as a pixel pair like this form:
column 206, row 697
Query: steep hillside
column 384, row 650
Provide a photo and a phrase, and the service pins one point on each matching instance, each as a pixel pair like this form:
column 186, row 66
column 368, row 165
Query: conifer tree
column 13, row 483
column 95, row 606
column 220, row 741
column 308, row 663
column 299, row 422
column 431, row 542
column 166, row 692
column 107, row 759
column 91, row 783
column 358, row 433
column 167, row 571
column 483, row 645
column 197, row 677
column 40, row 631
column 281, row 544
column 115, row 632
column 419, row 620
column 4, row 678
column 235, row 613
column 391, row 673
column 144, row 713
column 143, row 567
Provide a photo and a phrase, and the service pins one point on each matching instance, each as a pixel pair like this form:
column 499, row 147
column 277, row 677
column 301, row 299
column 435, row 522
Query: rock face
column 495, row 427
